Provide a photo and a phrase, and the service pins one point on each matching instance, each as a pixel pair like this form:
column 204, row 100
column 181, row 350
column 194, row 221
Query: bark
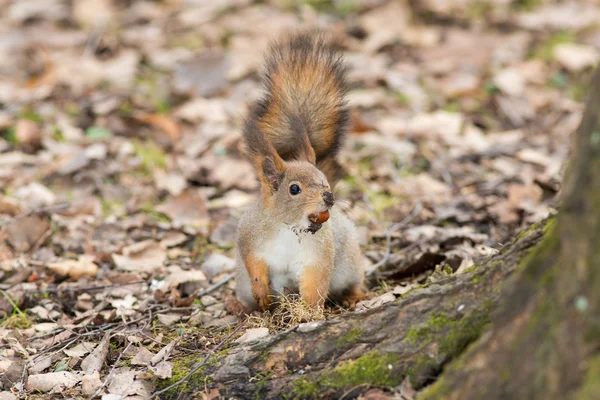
column 542, row 329
column 545, row 342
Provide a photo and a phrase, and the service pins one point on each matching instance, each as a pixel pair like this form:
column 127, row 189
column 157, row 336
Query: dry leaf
column 186, row 209
column 162, row 370
column 142, row 357
column 375, row 302
column 95, row 360
column 52, row 381
column 75, row 268
column 144, row 256
column 24, row 233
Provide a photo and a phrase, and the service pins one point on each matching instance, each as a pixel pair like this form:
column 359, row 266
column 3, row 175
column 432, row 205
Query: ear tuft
column 271, row 173
column 307, row 152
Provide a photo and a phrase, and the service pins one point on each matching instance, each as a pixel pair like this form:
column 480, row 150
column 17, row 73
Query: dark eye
column 295, row 189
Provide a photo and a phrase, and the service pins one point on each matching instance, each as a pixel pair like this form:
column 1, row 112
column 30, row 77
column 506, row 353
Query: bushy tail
column 304, row 104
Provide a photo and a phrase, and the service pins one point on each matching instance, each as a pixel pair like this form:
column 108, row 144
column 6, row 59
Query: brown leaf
column 24, row 233
column 143, row 357
column 95, row 360
column 144, row 256
column 52, row 381
column 186, row 209
column 164, row 123
column 75, row 269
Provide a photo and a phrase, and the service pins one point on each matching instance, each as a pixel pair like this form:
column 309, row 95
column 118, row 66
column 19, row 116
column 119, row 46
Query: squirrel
column 294, row 238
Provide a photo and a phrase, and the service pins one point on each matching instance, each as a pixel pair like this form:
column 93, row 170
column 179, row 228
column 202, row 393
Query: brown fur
column 292, row 137
column 259, row 277
column 303, row 114
column 314, row 284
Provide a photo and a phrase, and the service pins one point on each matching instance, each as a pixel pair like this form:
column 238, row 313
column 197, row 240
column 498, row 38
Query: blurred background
column 120, row 152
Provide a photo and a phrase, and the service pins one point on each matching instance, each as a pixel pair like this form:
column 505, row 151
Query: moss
column 472, row 268
column 424, row 334
column 305, row 389
column 591, row 384
column 349, row 338
column 261, row 379
column 181, row 367
column 452, row 337
column 476, row 279
column 373, row 369
column 438, row 390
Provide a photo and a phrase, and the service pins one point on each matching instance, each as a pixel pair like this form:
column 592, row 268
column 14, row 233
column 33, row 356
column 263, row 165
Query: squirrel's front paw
column 262, row 294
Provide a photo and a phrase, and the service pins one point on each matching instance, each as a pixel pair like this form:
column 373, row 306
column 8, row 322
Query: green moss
column 181, row 367
column 349, row 338
column 261, row 379
column 305, row 389
column 591, row 385
column 423, row 335
column 452, row 337
column 438, row 390
column 373, row 368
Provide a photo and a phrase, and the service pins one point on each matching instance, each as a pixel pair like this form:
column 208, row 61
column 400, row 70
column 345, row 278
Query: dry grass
column 291, row 310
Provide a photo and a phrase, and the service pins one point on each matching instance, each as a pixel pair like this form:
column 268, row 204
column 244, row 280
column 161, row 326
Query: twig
column 199, row 365
column 36, row 211
column 97, row 392
column 86, row 289
column 388, row 236
column 215, row 286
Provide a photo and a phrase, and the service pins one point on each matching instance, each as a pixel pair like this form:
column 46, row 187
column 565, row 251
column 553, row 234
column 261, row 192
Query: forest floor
column 122, row 177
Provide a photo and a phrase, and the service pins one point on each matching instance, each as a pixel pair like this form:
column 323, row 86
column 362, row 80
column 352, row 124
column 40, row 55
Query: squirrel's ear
column 271, row 172
column 306, row 151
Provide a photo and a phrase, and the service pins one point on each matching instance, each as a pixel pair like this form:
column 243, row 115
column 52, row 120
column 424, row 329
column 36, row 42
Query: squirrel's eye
column 295, row 189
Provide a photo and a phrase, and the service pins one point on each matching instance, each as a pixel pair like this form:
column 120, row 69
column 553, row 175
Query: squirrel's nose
column 328, row 198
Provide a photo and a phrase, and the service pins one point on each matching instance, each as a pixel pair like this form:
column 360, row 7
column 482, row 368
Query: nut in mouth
column 317, row 220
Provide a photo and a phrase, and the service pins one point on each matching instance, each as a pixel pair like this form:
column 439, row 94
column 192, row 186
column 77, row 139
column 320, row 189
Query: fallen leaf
column 24, row 233
column 375, row 302
column 186, row 209
column 75, row 269
column 576, row 57
column 91, row 383
column 510, row 81
column 215, row 264
column 81, row 349
column 142, row 357
column 162, row 370
column 163, row 354
column 124, row 383
column 95, row 360
column 145, row 256
column 165, row 123
column 52, row 381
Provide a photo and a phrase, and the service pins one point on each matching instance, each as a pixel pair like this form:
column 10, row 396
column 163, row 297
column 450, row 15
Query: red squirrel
column 294, row 237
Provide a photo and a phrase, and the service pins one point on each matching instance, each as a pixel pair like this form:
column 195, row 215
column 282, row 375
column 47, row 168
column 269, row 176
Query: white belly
column 287, row 254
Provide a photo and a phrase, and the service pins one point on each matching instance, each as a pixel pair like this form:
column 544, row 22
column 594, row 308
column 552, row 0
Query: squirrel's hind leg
column 353, row 296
